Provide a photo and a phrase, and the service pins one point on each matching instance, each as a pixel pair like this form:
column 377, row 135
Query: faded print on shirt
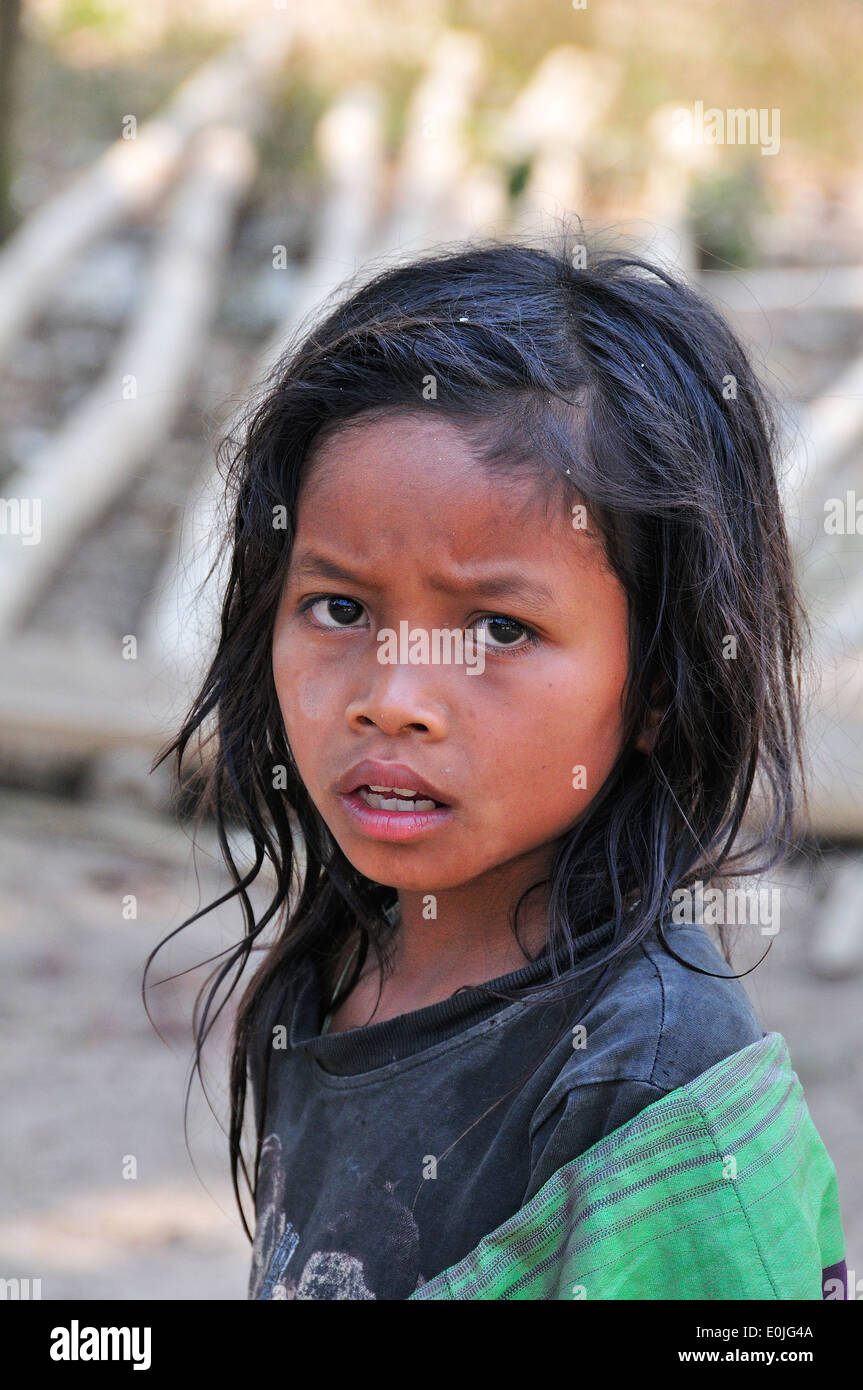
column 282, row 1268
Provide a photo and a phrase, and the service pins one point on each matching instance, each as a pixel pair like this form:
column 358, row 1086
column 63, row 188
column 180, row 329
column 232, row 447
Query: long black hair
column 617, row 385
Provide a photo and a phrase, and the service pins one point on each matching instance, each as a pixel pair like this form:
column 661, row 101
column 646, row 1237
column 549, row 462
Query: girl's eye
column 502, row 633
column 344, row 611
column 505, row 633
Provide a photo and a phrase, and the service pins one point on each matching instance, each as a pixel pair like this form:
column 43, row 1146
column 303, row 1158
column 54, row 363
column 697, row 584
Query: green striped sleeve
column 722, row 1189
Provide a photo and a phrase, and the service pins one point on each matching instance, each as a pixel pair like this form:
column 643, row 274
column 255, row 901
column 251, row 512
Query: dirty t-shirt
column 389, row 1151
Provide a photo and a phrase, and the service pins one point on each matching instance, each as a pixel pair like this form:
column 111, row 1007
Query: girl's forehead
column 374, row 443
column 410, row 482
column 452, row 529
column 410, row 463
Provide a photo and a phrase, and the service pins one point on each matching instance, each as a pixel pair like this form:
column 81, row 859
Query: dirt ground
column 98, row 1195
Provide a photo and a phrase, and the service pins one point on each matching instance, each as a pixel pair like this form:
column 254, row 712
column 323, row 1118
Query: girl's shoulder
column 656, row 1025
column 670, row 1010
column 699, row 1010
column 722, row 1189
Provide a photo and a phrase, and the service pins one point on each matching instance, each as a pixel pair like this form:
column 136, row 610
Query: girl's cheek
column 312, row 697
column 290, row 679
column 304, row 697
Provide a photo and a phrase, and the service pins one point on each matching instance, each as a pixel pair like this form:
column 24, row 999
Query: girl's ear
column 646, row 741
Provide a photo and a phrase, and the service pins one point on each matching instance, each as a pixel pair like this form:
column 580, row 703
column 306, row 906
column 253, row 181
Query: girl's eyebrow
column 310, row 563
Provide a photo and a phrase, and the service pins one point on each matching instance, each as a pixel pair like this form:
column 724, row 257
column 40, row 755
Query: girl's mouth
column 393, row 813
column 396, row 799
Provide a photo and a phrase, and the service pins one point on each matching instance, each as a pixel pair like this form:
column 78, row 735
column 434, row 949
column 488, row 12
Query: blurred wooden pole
column 131, row 176
column 350, row 144
column 102, row 443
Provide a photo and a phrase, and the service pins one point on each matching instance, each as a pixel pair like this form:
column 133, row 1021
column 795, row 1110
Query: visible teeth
column 372, row 798
column 400, row 791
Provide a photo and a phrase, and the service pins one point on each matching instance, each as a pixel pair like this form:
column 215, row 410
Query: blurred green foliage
column 101, row 15
column 723, row 215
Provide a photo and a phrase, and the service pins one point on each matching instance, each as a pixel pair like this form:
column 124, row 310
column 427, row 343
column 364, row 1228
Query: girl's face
column 398, row 523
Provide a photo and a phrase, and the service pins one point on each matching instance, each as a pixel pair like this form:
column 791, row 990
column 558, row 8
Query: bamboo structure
column 187, row 175
column 133, row 173
column 111, row 434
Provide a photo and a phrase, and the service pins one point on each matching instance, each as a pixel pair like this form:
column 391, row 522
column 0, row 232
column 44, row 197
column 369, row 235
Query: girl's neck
column 466, row 937
column 469, row 941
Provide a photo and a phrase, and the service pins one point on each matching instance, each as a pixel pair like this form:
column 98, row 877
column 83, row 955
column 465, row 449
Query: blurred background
column 181, row 187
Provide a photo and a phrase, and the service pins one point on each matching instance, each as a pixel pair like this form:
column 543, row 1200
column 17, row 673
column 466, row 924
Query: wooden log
column 349, row 139
column 432, row 156
column 550, row 124
column 183, row 618
column 79, row 698
column 479, row 203
column 87, row 464
column 777, row 290
column 665, row 197
column 132, row 174
column 824, row 438
column 830, row 574
column 827, row 431
column 839, row 614
column 837, row 946
column 834, row 744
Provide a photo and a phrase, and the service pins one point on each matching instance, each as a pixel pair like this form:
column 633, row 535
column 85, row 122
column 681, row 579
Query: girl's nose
column 396, row 697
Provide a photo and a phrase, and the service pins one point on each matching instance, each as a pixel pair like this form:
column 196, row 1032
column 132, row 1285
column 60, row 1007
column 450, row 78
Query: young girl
column 510, row 644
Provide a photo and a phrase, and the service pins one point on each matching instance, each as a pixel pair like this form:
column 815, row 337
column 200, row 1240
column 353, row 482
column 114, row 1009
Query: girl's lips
column 392, row 825
column 375, row 772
